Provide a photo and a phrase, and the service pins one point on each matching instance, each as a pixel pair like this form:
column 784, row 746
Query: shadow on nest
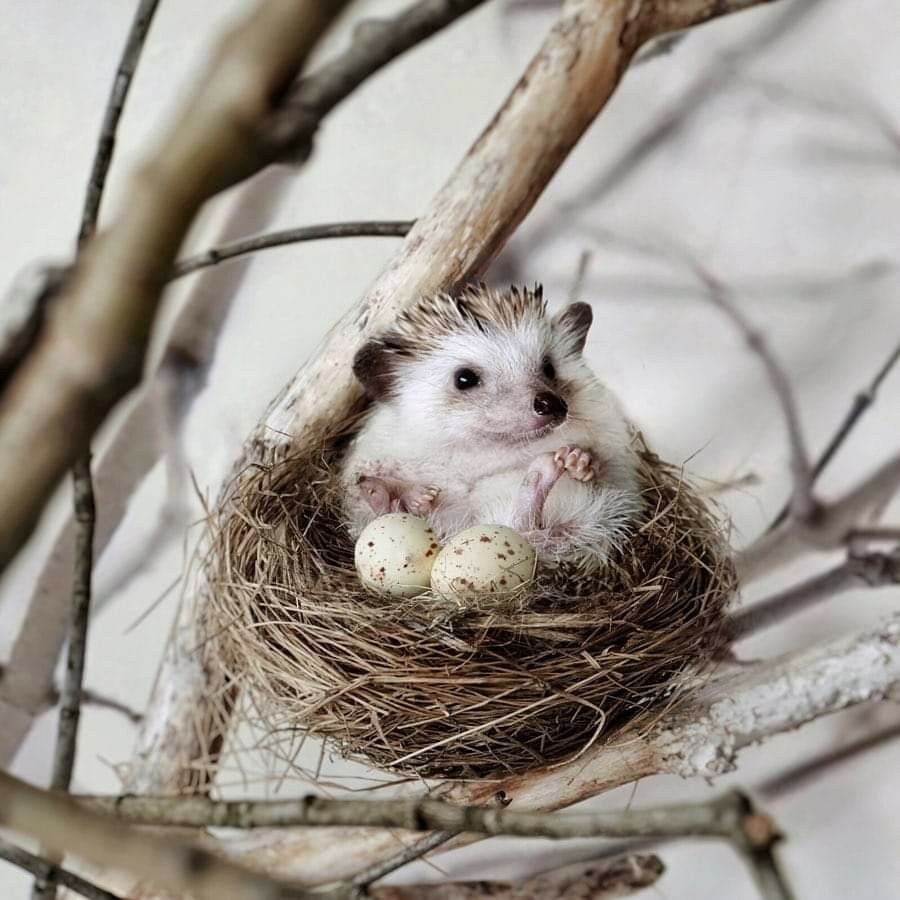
column 471, row 690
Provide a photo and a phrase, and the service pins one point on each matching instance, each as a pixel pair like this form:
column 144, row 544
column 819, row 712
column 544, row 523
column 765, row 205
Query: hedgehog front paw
column 420, row 500
column 376, row 493
column 579, row 464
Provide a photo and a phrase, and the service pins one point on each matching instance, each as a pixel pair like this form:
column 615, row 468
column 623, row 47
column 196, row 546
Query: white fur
column 475, row 446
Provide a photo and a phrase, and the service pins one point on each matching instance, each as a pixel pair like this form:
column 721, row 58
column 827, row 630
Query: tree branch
column 62, row 825
column 397, row 228
column 834, row 524
column 803, row 504
column 861, row 403
column 375, row 43
column 42, row 868
column 91, row 353
column 872, row 569
column 595, row 880
column 82, row 481
column 731, row 817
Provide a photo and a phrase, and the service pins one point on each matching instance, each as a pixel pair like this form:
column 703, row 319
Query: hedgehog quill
column 485, row 411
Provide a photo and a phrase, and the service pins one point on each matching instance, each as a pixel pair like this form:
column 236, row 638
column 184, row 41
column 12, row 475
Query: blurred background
column 765, row 146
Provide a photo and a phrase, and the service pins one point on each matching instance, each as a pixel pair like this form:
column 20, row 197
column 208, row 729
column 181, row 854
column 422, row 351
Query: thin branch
column 416, row 850
column 396, row 228
column 834, row 527
column 871, row 569
column 92, row 351
column 808, row 770
column 82, row 481
column 375, row 43
column 597, row 879
column 861, row 403
column 71, row 693
column 41, row 869
column 64, row 826
column 803, row 504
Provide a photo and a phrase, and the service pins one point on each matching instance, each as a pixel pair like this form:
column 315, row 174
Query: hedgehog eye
column 465, row 379
column 548, row 368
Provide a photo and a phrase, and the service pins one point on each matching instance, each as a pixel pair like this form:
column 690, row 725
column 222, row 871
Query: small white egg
column 484, row 559
column 395, row 553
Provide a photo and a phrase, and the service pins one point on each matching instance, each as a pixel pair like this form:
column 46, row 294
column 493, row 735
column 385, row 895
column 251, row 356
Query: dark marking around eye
column 548, row 369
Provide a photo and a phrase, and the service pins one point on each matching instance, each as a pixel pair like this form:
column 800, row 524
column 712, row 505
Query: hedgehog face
column 487, row 383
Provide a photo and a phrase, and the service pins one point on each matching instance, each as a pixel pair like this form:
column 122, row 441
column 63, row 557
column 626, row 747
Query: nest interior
column 475, row 690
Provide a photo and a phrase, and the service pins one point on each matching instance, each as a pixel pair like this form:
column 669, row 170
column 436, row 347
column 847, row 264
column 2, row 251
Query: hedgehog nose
column 547, row 404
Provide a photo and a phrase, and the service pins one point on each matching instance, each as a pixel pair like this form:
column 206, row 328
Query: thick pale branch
column 91, row 352
column 64, row 826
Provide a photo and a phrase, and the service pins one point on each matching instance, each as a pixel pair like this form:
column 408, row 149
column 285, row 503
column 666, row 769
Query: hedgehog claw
column 578, row 463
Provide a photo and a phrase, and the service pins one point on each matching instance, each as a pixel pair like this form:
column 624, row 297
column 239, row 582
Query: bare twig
column 41, row 869
column 91, row 354
column 375, row 43
column 803, row 504
column 861, row 403
column 808, row 770
column 872, row 569
column 71, row 693
column 82, row 481
column 834, row 527
column 415, row 850
column 600, row 879
column 65, row 826
column 289, row 236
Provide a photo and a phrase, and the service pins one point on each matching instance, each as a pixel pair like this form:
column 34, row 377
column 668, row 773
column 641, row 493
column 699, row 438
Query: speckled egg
column 395, row 553
column 484, row 559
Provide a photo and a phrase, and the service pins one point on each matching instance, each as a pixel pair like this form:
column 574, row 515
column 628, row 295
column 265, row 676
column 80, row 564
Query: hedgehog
column 484, row 411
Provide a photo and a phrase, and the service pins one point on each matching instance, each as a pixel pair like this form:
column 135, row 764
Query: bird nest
column 468, row 689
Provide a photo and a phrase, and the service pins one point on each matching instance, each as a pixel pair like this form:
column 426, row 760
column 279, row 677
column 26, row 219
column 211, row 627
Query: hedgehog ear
column 373, row 365
column 574, row 322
